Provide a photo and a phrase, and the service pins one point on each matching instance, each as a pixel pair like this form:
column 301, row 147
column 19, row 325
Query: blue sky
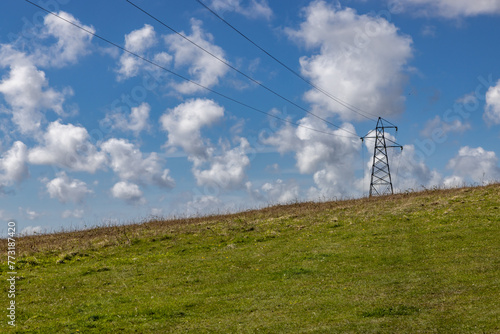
column 90, row 134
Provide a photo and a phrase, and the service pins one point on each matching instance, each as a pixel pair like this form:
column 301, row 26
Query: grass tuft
column 425, row 262
column 391, row 311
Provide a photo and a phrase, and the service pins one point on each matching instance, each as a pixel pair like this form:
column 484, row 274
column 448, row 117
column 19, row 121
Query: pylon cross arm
column 381, row 172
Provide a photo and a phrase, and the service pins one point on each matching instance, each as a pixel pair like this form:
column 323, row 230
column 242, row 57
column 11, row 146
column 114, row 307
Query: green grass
column 412, row 263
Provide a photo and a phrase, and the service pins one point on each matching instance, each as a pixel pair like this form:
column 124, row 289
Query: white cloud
column 31, row 230
column 67, row 145
column 284, row 139
column 362, row 59
column 318, row 150
column 428, row 30
column 141, row 39
column 277, row 191
column 475, row 164
column 448, row 8
column 128, row 162
column 184, row 124
column 333, row 161
column 410, row 172
column 13, row 166
column 72, row 42
column 226, row 170
column 77, row 213
column 454, row 182
column 200, row 205
column 157, row 212
column 437, row 126
column 205, row 202
column 492, row 108
column 128, row 192
column 27, row 91
column 66, row 189
column 30, row 214
column 255, row 8
column 139, row 42
column 136, row 122
column 203, row 68
column 221, row 170
column 330, row 158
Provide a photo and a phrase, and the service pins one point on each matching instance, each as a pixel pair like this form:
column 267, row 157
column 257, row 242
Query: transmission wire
column 319, row 89
column 189, row 80
column 237, row 70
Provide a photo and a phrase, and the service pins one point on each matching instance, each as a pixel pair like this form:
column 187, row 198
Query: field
column 426, row 262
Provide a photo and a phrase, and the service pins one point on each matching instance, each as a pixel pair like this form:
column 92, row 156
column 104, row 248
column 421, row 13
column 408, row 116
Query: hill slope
column 412, row 263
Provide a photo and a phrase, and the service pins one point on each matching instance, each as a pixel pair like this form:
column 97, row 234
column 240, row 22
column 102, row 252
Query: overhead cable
column 237, row 70
column 189, row 80
column 319, row 89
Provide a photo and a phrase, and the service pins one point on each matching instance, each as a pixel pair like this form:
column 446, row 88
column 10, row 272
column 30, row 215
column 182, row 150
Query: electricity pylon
column 381, row 181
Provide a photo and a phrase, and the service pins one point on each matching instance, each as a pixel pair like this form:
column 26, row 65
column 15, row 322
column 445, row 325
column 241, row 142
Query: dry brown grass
column 408, row 263
column 106, row 236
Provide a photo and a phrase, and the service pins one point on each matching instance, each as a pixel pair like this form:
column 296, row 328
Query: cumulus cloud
column 361, row 58
column 72, row 42
column 141, row 39
column 27, row 91
column 191, row 204
column 156, row 212
column 328, row 157
column 447, row 8
column 438, row 126
column 26, row 88
column 410, row 172
column 277, row 191
column 128, row 163
column 13, row 166
column 66, row 189
column 136, row 121
column 454, row 182
column 221, row 169
column 77, row 213
column 206, row 204
column 30, row 214
column 67, row 145
column 254, row 9
column 226, row 170
column 492, row 108
column 31, row 230
column 474, row 164
column 184, row 123
column 332, row 161
column 139, row 42
column 128, row 192
column 203, row 68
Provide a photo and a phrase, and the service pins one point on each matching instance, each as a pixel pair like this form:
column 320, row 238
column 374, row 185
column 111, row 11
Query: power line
column 189, row 80
column 237, row 70
column 319, row 89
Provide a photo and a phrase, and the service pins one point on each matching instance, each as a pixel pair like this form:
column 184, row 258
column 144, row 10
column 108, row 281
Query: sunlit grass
column 422, row 262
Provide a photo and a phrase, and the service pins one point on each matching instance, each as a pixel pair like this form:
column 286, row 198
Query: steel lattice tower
column 381, row 181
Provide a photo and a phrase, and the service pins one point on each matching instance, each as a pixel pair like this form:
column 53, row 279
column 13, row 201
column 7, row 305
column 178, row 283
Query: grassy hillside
column 412, row 263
